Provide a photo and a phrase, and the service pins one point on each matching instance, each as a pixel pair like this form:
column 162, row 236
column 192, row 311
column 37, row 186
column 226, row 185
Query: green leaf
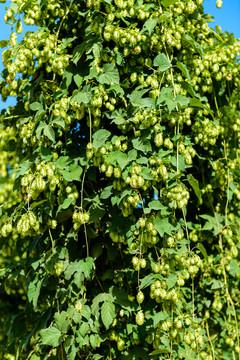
column 217, row 284
column 182, row 100
column 107, row 192
column 21, row 169
column 159, row 316
column 34, row 291
column 97, row 356
column 195, row 185
column 96, row 213
column 171, row 281
column 87, row 267
column 103, row 297
column 165, row 95
column 119, row 157
column 179, row 162
column 149, row 279
column 49, row 132
column 121, row 298
column 39, row 129
column 110, row 75
column 142, row 144
column 156, row 205
column 194, row 44
column 51, row 336
column 67, row 202
column 212, row 223
column 163, row 226
column 85, row 47
column 72, row 173
column 108, row 313
column 234, row 267
column 162, row 62
column 62, row 162
column 78, row 79
column 36, row 106
column 67, row 79
column 62, row 322
column 184, row 70
column 149, row 25
column 137, row 99
column 132, row 155
column 197, row 103
column 100, row 137
column 82, row 97
column 59, row 121
column 46, row 153
column 203, row 251
column 117, row 117
column 146, row 173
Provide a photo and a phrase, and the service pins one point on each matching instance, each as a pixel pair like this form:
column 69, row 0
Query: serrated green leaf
column 46, row 153
column 67, row 202
column 159, row 316
column 51, row 336
column 78, row 79
column 195, row 185
column 85, row 46
column 82, row 97
column 72, row 173
column 107, row 192
column 35, row 106
column 49, row 132
column 137, row 99
column 171, row 281
column 203, row 251
column 108, row 313
column 162, row 62
column 149, row 279
column 62, row 322
column 182, row 100
column 100, row 137
column 119, row 58
column 110, row 75
column 34, row 291
column 163, row 226
column 234, row 267
column 39, row 129
column 146, row 173
column 117, row 117
column 21, row 169
column 197, row 103
column 62, row 162
column 142, row 144
column 217, row 284
column 194, row 44
column 121, row 298
column 58, row 121
column 149, row 25
column 156, row 205
column 184, row 70
column 119, row 157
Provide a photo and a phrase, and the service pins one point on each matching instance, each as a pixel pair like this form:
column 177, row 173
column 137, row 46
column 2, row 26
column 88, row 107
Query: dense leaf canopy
column 119, row 187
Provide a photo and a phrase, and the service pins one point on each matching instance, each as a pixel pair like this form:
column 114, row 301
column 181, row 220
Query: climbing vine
column 119, row 187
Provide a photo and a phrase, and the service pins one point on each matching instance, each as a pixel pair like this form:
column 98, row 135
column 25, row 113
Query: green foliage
column 119, row 183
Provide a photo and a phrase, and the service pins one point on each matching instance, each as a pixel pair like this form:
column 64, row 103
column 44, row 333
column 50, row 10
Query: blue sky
column 227, row 17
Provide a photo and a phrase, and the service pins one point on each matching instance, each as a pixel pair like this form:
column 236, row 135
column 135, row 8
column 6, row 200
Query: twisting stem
column 52, row 241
